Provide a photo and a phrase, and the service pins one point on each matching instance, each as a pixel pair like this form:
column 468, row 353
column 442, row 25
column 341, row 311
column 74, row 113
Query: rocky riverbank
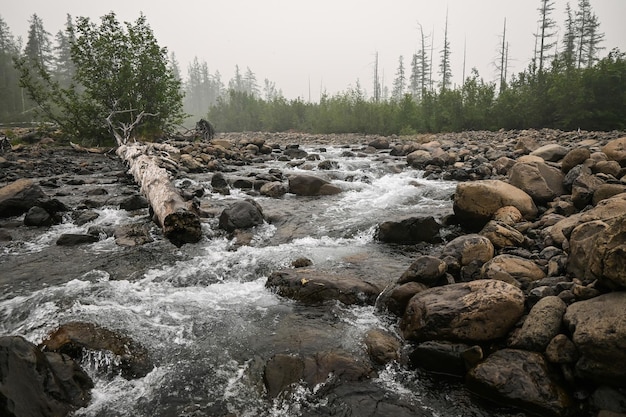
column 522, row 292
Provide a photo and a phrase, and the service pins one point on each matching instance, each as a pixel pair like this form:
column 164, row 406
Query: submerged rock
column 311, row 287
column 37, row 384
column 77, row 338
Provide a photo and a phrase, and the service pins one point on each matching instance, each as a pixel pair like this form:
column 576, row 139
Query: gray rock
column 425, row 269
column 539, row 180
column 18, row 197
column 309, row 185
column 38, row 217
column 409, row 231
column 241, row 215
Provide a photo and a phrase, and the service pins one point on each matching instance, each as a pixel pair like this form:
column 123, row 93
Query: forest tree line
column 567, row 85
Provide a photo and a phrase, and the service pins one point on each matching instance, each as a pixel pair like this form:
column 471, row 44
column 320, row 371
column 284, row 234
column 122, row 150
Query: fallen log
column 179, row 222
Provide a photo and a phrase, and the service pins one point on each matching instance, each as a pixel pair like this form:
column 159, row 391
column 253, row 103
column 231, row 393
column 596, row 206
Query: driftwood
column 179, row 222
column 82, row 149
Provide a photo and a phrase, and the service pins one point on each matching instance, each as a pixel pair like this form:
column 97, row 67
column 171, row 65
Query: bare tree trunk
column 179, row 222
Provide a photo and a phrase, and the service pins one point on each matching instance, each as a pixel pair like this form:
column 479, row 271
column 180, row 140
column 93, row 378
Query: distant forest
column 570, row 83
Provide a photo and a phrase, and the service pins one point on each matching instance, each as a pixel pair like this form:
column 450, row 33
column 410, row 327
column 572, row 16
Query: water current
column 208, row 321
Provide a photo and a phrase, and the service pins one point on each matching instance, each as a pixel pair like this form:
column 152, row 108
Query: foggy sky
column 309, row 46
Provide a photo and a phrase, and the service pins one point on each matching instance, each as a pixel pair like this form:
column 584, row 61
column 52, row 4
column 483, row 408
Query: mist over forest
column 573, row 81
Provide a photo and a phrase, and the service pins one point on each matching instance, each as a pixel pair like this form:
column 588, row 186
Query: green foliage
column 120, row 71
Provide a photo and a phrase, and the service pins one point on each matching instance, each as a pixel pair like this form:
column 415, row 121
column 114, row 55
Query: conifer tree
column 444, row 66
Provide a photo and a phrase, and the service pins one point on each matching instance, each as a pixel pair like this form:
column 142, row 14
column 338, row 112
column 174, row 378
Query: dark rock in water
column 77, row 338
column 38, row 217
column 283, row 370
column 309, row 185
column 302, row 263
column 382, row 346
column 425, row 269
column 133, row 235
column 135, row 202
column 70, row 239
column 410, row 231
column 445, row 357
column 84, row 216
column 34, row 384
column 18, row 197
column 295, row 153
column 241, row 215
column 314, row 287
column 328, row 165
column 274, row 189
column 396, row 298
column 5, row 236
column 379, row 143
column 475, row 311
column 522, row 379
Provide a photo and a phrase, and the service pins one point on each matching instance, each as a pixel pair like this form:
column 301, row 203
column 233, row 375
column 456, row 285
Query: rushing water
column 208, row 321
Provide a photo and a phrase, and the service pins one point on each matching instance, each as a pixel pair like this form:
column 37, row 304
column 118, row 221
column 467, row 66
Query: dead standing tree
column 179, row 221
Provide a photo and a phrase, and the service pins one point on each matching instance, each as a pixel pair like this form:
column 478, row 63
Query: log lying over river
column 179, row 222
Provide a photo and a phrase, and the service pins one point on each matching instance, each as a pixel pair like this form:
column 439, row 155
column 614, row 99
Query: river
column 203, row 311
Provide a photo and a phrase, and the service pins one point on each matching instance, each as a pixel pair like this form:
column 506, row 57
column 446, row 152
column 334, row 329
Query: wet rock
column 302, row 263
column 409, row 231
column 475, row 311
column 542, row 324
column 445, row 357
column 425, row 269
column 396, row 298
column 294, row 152
column 615, row 150
column 522, row 379
column 598, row 328
column 283, row 370
column 274, row 189
column 379, row 143
column 241, row 215
column 476, row 202
column 72, row 239
column 34, row 384
column 313, row 287
column 382, row 346
column 38, row 217
column 77, row 338
column 83, row 217
column 513, row 270
column 540, row 181
column 132, row 235
column 135, row 202
column 309, row 185
column 5, row 235
column 418, row 159
column 18, row 197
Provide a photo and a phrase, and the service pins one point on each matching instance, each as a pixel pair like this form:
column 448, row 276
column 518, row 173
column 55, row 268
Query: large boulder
column 615, row 150
column 409, row 231
column 312, row 287
column 598, row 328
column 283, row 370
column 513, row 269
column 18, row 197
column 310, row 185
column 241, row 215
column 75, row 339
column 541, row 325
column 476, row 202
column 598, row 251
column 446, row 357
column 522, row 379
column 475, row 311
column 574, row 157
column 38, row 384
column 539, row 180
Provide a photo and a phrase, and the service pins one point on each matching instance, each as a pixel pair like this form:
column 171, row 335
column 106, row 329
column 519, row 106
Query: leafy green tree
column 121, row 73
